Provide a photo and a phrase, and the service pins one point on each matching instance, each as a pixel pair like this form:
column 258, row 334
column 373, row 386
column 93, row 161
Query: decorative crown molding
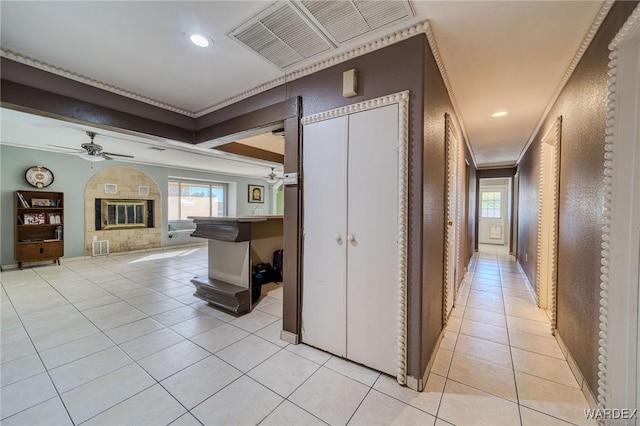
column 381, row 42
column 595, row 25
column 402, row 99
column 436, row 55
column 359, row 107
column 26, row 60
column 609, row 148
column 295, row 74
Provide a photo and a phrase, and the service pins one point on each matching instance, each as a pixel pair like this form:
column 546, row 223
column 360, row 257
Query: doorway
column 548, row 220
column 454, row 227
column 356, row 307
column 620, row 303
column 493, row 217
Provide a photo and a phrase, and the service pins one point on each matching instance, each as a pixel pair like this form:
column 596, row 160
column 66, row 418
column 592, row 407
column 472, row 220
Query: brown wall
column 406, row 65
column 426, row 308
column 393, row 69
column 582, row 105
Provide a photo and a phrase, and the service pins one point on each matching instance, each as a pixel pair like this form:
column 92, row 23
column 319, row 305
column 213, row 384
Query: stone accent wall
column 128, row 180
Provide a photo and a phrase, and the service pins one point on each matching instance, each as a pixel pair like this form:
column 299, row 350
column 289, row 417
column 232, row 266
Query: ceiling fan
column 272, row 177
column 91, row 151
column 95, row 153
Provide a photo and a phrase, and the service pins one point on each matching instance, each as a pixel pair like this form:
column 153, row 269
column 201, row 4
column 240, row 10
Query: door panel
column 493, row 230
column 324, row 210
column 52, row 249
column 372, row 272
column 452, row 222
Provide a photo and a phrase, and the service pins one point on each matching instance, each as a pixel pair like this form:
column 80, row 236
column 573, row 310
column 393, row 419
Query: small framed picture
column 256, row 194
column 34, row 219
column 40, row 202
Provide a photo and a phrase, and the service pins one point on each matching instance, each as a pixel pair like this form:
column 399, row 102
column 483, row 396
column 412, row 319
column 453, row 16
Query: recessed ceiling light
column 200, row 40
column 499, row 114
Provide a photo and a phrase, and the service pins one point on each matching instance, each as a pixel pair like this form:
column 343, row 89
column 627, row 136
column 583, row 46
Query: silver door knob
column 337, row 237
column 351, row 238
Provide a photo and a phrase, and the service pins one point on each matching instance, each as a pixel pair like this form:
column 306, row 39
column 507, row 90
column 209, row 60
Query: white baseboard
column 584, row 386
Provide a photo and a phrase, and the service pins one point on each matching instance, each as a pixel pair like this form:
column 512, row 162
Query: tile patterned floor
column 121, row 340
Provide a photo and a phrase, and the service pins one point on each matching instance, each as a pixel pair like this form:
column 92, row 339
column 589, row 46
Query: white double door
column 350, row 264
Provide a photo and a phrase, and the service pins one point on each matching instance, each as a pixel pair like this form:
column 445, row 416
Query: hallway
column 501, row 363
column 120, row 340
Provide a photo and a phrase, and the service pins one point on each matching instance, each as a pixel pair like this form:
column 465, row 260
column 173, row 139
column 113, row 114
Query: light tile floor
column 121, row 340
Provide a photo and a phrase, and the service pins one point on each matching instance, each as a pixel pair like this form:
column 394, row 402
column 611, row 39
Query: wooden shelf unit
column 35, row 241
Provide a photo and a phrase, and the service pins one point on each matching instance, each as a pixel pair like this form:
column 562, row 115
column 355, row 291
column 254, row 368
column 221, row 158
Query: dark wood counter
column 235, row 244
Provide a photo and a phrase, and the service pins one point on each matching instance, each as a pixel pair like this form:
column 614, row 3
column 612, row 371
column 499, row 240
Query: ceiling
column 498, row 55
column 43, row 133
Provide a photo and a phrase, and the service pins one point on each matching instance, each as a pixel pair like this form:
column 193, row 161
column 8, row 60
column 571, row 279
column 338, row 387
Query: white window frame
column 211, row 184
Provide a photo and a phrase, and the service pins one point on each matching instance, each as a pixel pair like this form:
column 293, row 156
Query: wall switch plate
column 350, row 83
column 291, row 178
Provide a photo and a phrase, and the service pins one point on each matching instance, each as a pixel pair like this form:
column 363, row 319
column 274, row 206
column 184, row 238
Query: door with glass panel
column 493, row 225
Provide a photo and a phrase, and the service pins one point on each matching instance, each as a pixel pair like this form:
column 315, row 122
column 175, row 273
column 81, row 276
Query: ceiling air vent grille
column 281, row 35
column 340, row 18
column 346, row 19
column 381, row 13
column 288, row 32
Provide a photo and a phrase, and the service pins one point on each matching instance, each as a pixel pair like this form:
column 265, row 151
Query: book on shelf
column 20, row 221
column 23, row 200
column 34, row 219
column 54, row 218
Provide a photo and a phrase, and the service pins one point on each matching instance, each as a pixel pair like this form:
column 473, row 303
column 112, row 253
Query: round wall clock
column 38, row 176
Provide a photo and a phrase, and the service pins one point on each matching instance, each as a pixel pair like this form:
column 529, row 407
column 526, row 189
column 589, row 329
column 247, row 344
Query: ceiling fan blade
column 75, row 150
column 117, row 155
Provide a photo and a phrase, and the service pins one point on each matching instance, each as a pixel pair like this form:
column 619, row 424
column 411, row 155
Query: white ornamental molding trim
column 26, row 60
column 552, row 138
column 402, row 99
column 554, row 227
column 295, row 74
column 609, row 149
column 447, row 293
column 460, row 214
column 602, row 13
column 445, row 78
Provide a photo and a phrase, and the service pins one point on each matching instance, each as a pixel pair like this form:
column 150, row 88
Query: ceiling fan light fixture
column 200, row 40
column 93, row 158
column 499, row 114
column 272, row 178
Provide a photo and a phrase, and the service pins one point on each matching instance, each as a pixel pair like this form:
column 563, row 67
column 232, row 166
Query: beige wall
column 128, row 180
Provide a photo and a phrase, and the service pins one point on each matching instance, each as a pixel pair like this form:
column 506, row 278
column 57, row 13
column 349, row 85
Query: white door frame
column 505, row 203
column 548, row 191
column 453, row 265
column 619, row 368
